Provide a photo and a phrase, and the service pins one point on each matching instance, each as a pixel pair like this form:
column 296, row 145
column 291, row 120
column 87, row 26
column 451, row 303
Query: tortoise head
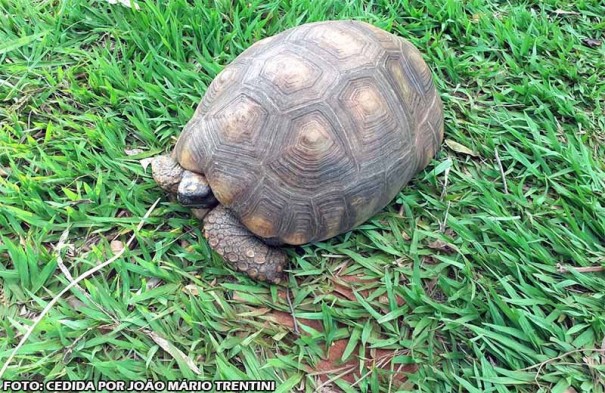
column 191, row 189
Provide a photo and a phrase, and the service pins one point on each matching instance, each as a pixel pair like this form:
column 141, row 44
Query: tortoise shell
column 310, row 132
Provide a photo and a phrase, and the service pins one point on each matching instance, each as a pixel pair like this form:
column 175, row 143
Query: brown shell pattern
column 311, row 132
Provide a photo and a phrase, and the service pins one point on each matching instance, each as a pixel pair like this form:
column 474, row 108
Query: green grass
column 489, row 311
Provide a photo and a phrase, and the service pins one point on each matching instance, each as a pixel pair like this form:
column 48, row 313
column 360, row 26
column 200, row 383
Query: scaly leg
column 241, row 248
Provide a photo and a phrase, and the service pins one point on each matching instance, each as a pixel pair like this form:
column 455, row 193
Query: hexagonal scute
column 377, row 128
column 298, row 223
column 228, row 77
column 417, row 66
column 365, row 100
column 194, row 147
column 290, row 73
column 291, row 80
column 386, row 39
column 429, row 132
column 239, row 122
column 232, row 180
column 264, row 213
column 332, row 213
column 400, row 173
column 364, row 198
column 397, row 76
column 313, row 158
column 338, row 41
column 342, row 45
column 410, row 80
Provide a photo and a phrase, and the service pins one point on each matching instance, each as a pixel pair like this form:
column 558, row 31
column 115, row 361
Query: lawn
column 485, row 274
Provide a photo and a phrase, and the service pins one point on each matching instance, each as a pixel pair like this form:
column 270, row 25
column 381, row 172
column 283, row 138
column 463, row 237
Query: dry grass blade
column 524, row 80
column 502, row 174
column 70, row 286
column 176, row 353
column 126, row 3
column 591, row 42
column 60, row 246
column 460, row 148
column 541, row 365
column 295, row 322
column 584, row 269
column 345, row 371
column 564, row 12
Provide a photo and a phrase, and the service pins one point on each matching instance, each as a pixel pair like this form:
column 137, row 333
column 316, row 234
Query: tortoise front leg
column 241, row 249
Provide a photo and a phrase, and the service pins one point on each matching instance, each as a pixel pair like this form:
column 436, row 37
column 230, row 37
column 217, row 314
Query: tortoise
column 304, row 136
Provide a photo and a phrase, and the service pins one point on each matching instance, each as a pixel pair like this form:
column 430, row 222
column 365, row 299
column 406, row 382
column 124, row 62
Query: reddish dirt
column 332, row 366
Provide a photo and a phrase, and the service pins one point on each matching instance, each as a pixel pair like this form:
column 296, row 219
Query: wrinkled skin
column 226, row 235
